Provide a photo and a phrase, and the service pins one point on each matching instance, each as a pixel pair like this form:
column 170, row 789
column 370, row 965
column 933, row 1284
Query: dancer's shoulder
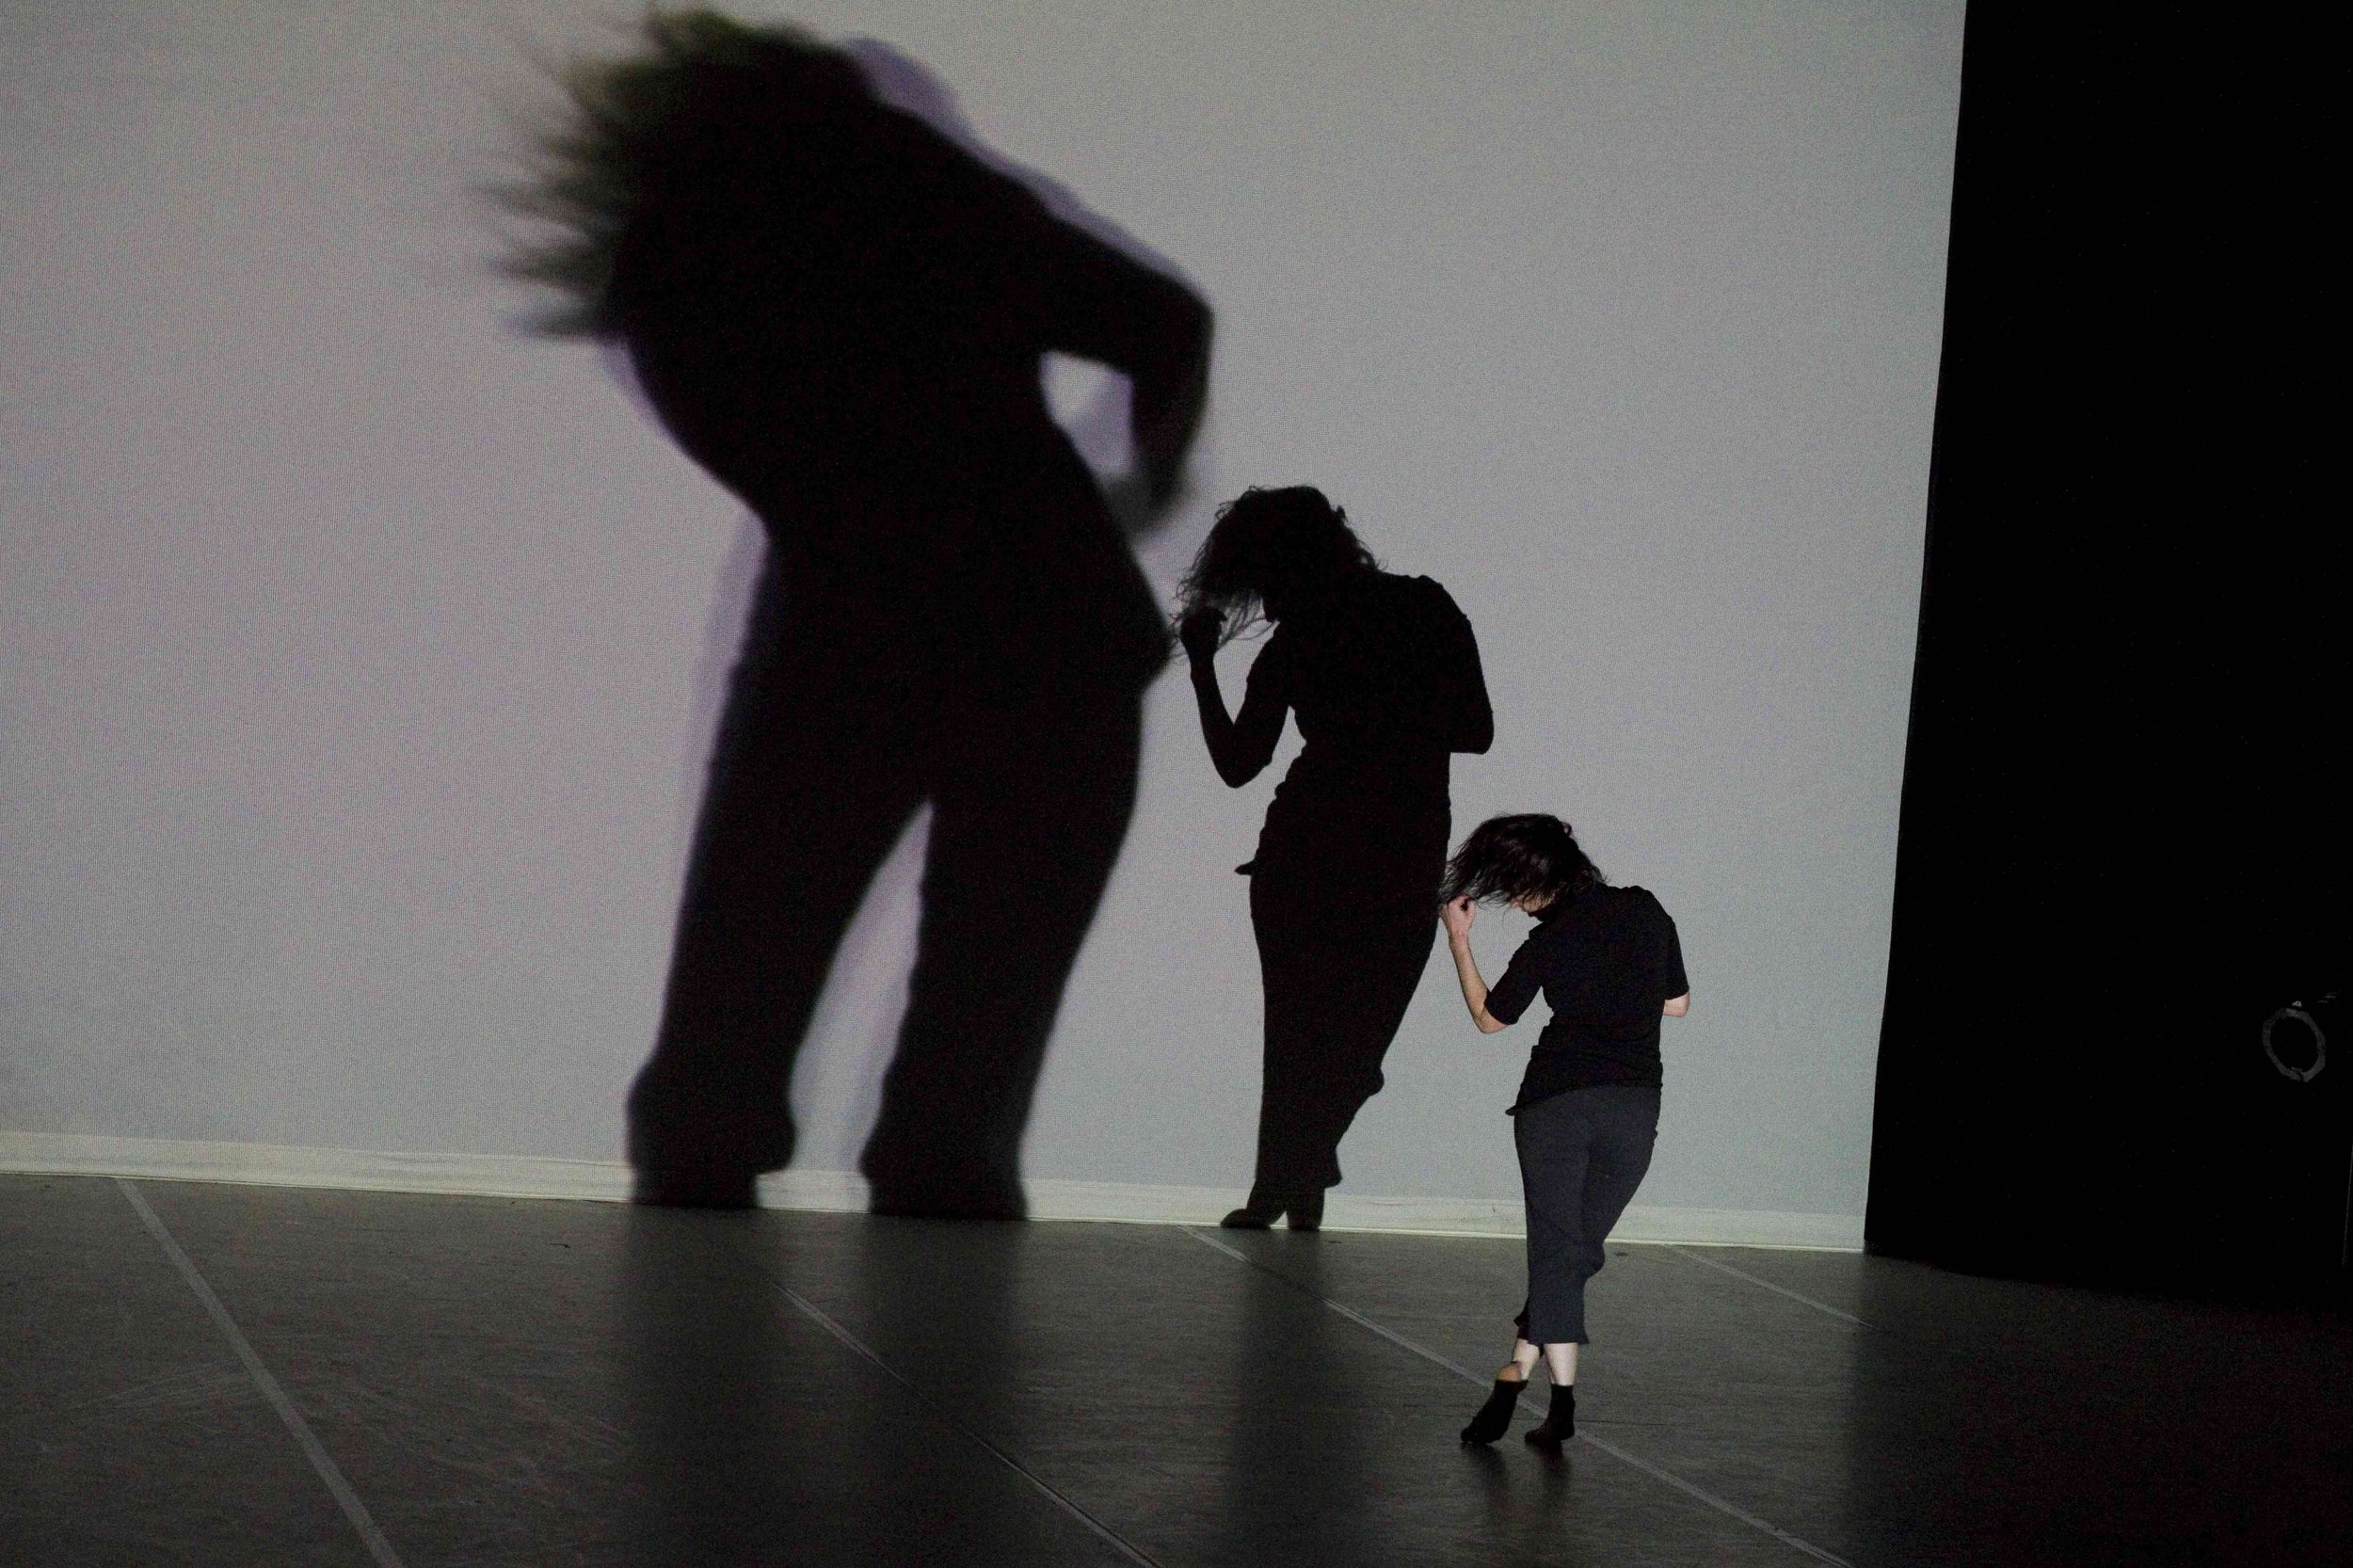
column 1638, row 899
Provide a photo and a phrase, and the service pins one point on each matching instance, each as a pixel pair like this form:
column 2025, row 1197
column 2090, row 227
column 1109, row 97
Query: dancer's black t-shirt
column 1605, row 961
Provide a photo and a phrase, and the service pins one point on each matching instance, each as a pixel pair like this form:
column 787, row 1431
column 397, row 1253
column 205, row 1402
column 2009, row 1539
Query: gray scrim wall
column 360, row 653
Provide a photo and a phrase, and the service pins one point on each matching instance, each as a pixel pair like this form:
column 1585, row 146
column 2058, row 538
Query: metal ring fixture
column 2320, row 1044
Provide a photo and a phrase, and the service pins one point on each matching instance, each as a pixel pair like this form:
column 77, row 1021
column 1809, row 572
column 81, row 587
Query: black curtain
column 2121, row 844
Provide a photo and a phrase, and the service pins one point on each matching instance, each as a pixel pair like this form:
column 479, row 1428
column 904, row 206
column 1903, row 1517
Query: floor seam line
column 1688, row 1253
column 1047, row 1489
column 1653, row 1471
column 379, row 1546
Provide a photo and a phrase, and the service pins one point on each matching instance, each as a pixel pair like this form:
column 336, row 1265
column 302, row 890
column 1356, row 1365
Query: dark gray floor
column 490, row 1382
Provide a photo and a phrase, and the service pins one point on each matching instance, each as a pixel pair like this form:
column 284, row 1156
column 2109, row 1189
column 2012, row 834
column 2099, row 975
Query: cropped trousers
column 1582, row 1153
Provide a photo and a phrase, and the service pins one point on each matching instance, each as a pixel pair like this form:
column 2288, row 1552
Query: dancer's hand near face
column 1458, row 914
column 1199, row 632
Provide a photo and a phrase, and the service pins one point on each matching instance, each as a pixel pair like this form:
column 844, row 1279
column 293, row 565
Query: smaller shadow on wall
column 842, row 313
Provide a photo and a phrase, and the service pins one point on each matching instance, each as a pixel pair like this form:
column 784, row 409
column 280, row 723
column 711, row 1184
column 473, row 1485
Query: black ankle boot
column 1494, row 1418
column 1265, row 1208
column 1560, row 1422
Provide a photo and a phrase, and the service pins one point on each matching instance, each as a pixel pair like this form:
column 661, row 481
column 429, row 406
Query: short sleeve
column 1670, row 960
column 1507, row 998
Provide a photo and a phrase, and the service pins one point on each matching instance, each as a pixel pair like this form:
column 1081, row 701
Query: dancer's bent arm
column 1458, row 915
column 1244, row 745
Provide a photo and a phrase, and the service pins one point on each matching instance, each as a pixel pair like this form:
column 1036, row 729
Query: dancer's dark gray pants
column 1582, row 1153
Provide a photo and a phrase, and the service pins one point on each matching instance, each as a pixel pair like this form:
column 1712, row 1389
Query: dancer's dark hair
column 706, row 108
column 1269, row 543
column 1533, row 858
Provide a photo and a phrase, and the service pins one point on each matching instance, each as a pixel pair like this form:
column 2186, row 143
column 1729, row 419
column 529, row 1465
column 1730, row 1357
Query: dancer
column 1610, row 966
column 1383, row 673
column 840, row 314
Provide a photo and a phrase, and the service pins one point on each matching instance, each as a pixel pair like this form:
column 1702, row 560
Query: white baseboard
column 521, row 1176
column 277, row 1165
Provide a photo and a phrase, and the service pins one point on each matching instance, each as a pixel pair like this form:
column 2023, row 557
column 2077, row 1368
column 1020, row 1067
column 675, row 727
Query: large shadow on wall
column 841, row 312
